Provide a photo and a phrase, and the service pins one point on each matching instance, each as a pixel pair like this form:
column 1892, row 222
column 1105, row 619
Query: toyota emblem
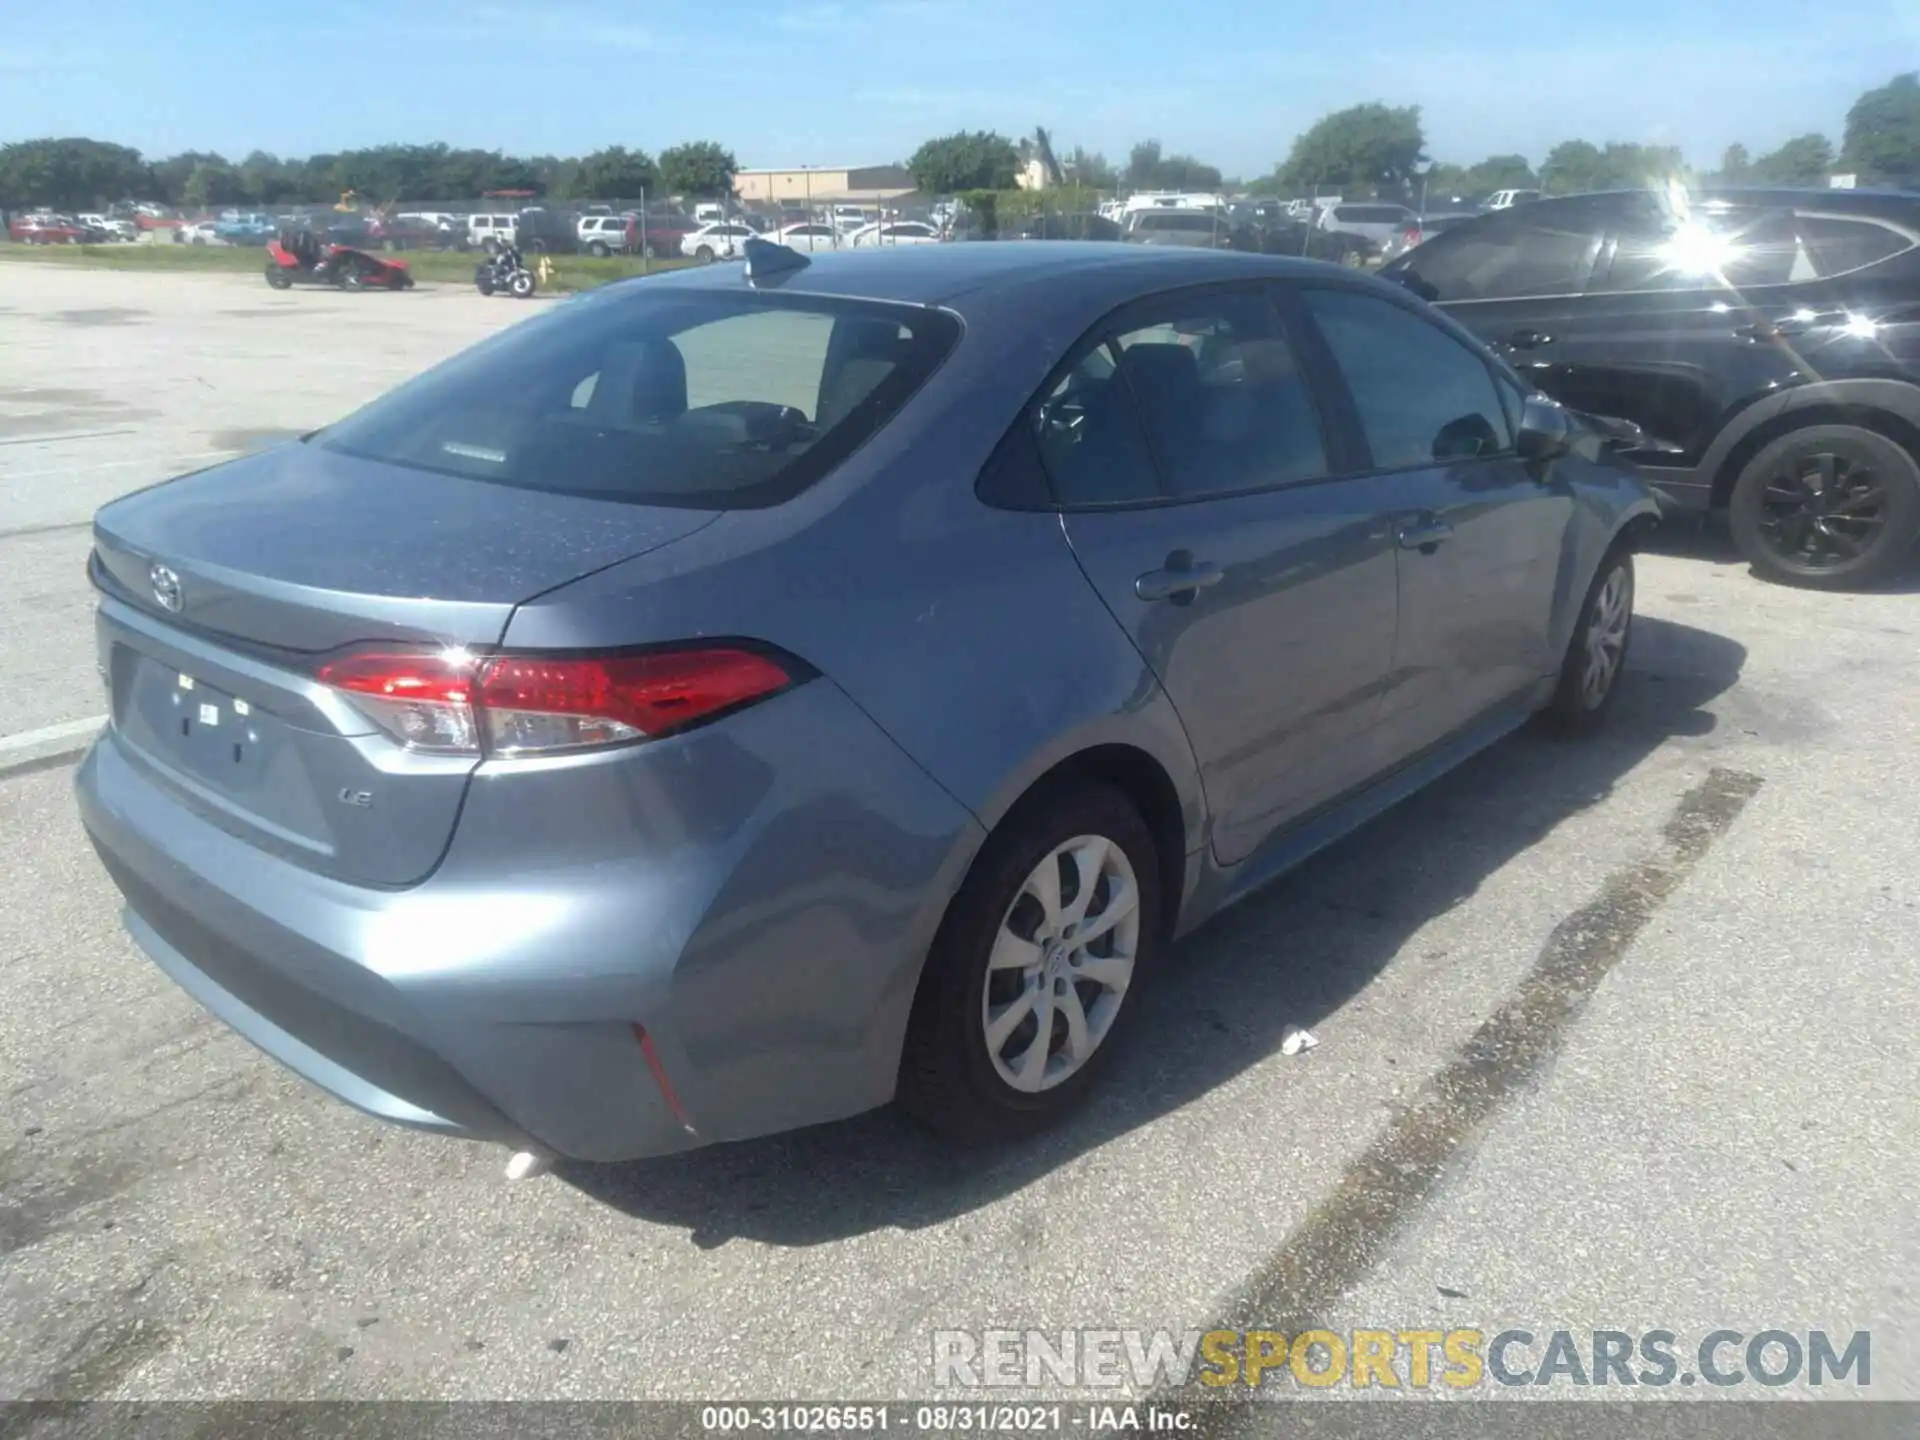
column 166, row 587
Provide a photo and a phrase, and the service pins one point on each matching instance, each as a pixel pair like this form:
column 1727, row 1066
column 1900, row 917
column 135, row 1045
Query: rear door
column 1691, row 316
column 1212, row 509
column 1478, row 533
column 1515, row 278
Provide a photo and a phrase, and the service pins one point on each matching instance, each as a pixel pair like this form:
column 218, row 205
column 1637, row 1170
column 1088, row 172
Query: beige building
column 824, row 182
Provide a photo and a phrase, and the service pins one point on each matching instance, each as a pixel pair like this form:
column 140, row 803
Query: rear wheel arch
column 1888, row 407
column 1145, row 784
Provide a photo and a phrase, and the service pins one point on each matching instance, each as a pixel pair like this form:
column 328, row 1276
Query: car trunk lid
column 224, row 591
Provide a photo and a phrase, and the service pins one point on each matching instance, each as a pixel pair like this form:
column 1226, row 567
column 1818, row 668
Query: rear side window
column 1208, row 383
column 1835, row 244
column 1421, row 396
column 1740, row 247
column 708, row 400
column 1545, row 250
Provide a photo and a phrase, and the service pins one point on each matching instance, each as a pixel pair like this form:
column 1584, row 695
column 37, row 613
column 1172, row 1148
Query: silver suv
column 606, row 234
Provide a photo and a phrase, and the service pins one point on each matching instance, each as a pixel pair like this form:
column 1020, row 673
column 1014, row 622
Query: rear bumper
column 757, row 895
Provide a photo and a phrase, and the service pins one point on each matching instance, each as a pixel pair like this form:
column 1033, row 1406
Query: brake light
column 1412, row 236
column 453, row 702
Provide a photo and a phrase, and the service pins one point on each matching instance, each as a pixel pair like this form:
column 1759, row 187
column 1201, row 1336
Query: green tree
column 1370, row 144
column 1090, row 169
column 699, row 167
column 1570, row 167
column 1574, row 166
column 1736, row 166
column 965, row 160
column 1882, row 138
column 615, row 173
column 1143, row 165
column 1149, row 169
column 212, row 182
column 264, row 179
column 70, row 174
column 1803, row 160
column 1501, row 172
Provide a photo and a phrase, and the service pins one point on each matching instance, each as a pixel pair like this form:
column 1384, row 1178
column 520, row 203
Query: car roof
column 940, row 274
column 1863, row 202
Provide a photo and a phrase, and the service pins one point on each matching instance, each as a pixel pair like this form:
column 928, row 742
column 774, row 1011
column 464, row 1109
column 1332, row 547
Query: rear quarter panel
column 968, row 633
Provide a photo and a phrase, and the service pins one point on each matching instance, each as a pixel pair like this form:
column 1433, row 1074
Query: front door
column 1206, row 505
column 1478, row 534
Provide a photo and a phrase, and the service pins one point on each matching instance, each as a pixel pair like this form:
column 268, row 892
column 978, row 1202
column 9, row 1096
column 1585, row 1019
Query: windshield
column 703, row 399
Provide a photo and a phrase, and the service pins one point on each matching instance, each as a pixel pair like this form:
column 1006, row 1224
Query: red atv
column 300, row 259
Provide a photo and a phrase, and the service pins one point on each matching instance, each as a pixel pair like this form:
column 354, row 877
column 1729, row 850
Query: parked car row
column 42, row 227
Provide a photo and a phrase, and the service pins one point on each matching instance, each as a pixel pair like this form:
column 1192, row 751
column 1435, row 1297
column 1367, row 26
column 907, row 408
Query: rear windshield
column 699, row 399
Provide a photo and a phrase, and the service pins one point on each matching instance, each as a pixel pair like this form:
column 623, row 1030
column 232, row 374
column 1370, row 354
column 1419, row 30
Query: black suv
column 1767, row 343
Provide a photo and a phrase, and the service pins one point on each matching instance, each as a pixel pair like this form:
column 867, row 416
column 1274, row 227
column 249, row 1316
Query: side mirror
column 1546, row 429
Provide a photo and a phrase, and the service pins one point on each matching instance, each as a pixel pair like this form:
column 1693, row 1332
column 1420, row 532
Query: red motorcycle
column 302, row 260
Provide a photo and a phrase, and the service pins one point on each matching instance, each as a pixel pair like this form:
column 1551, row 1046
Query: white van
column 1172, row 200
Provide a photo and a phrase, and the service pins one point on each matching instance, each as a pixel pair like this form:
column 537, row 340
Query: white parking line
column 49, row 734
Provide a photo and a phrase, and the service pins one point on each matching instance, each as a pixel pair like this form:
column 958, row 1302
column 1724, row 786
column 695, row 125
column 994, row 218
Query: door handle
column 1529, row 339
column 1423, row 535
column 1183, row 577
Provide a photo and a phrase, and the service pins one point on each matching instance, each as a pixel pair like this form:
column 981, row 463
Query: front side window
column 1546, row 250
column 1422, row 397
column 707, row 400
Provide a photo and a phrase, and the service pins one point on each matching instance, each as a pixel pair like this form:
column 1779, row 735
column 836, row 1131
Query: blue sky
column 817, row 82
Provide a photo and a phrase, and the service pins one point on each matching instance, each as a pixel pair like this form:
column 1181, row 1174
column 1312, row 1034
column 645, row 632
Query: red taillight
column 1412, row 236
column 510, row 705
column 422, row 698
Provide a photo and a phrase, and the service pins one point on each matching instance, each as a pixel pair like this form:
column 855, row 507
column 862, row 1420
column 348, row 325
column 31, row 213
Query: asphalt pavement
column 1612, row 1035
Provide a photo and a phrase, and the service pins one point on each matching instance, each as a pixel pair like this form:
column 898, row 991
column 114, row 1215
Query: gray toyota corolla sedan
column 737, row 699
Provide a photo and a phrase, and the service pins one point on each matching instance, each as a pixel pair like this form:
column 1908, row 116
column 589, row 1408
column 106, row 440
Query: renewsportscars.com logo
column 1397, row 1359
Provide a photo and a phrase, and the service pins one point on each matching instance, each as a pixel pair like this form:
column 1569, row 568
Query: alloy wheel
column 1061, row 963
column 1606, row 639
column 1823, row 509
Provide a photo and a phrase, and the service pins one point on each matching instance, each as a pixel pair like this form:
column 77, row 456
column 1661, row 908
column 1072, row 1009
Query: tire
column 351, row 278
column 1830, row 507
column 1353, row 259
column 648, row 251
column 950, row 1078
column 521, row 285
column 598, row 248
column 277, row 277
column 704, row 254
column 484, row 284
column 1588, row 685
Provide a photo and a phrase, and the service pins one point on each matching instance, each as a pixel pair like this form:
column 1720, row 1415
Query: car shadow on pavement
column 1706, row 537
column 1291, row 955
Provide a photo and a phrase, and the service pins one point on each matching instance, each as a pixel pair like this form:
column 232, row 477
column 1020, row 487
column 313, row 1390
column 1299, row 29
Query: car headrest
column 652, row 375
